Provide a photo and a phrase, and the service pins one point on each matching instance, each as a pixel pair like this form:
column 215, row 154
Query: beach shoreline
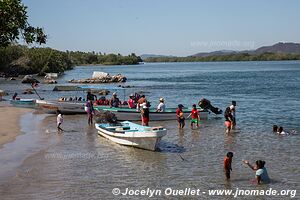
column 10, row 122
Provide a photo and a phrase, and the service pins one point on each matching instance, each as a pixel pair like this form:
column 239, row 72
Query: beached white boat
column 71, row 107
column 123, row 114
column 66, row 107
column 131, row 134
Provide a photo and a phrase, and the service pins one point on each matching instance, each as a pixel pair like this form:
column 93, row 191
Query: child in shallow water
column 59, row 121
column 180, row 116
column 227, row 164
column 195, row 116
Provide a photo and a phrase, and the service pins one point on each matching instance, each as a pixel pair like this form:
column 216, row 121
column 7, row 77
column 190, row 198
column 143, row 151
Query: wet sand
column 10, row 123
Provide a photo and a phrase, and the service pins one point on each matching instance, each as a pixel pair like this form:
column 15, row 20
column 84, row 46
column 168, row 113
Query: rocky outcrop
column 105, row 79
column 29, row 79
column 28, row 91
column 103, row 92
column 50, row 81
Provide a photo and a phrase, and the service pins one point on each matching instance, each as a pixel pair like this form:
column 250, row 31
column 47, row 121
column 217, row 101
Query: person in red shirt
column 195, row 116
column 227, row 164
column 131, row 102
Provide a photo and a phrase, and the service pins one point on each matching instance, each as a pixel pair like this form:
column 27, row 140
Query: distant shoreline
column 228, row 58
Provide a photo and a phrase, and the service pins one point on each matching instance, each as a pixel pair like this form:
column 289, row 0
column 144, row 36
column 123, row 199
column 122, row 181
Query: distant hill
column 144, row 56
column 280, row 48
column 215, row 53
column 283, row 48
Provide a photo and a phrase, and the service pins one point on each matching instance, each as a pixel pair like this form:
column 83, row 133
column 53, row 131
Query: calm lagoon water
column 80, row 165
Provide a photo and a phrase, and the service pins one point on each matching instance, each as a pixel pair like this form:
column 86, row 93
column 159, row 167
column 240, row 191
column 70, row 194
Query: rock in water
column 29, row 79
column 50, row 81
column 28, row 91
column 101, row 79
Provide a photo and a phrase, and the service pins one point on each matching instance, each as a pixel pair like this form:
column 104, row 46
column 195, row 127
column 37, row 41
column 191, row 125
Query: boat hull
column 143, row 140
column 30, row 103
column 66, row 108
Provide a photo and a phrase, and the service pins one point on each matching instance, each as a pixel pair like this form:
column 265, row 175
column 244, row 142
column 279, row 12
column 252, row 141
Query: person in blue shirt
column 261, row 173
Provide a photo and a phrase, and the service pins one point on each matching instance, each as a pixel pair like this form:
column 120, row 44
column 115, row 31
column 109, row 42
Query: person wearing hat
column 180, row 116
column 161, row 106
column 131, row 101
column 114, row 101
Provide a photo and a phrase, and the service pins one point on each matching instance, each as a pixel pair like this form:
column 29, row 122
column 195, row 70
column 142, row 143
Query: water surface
column 80, row 165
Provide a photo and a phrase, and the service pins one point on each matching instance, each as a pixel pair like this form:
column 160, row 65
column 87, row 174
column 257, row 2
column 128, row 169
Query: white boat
column 129, row 114
column 71, row 107
column 66, row 107
column 131, row 134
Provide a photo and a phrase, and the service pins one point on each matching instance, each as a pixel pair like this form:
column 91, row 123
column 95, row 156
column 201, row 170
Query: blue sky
column 169, row 27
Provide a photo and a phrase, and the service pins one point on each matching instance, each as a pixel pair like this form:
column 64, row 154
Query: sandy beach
column 9, row 123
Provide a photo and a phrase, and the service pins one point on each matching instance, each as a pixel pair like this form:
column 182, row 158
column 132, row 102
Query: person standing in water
column 59, row 120
column 227, row 164
column 195, row 116
column 180, row 116
column 145, row 114
column 232, row 110
column 228, row 119
column 89, row 108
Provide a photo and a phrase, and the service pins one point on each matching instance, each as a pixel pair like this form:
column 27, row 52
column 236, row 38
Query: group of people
column 141, row 104
column 261, row 174
column 71, row 99
column 279, row 130
column 195, row 116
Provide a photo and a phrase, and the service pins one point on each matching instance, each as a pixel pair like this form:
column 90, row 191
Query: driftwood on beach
column 104, row 79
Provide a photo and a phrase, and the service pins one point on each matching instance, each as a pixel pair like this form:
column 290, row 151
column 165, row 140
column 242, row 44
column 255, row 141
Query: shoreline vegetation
column 267, row 56
column 20, row 60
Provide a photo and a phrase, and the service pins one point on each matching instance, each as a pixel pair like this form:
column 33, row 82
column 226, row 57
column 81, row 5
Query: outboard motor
column 206, row 105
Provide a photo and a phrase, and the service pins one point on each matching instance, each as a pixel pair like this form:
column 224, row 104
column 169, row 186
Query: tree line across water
column 18, row 59
column 267, row 56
